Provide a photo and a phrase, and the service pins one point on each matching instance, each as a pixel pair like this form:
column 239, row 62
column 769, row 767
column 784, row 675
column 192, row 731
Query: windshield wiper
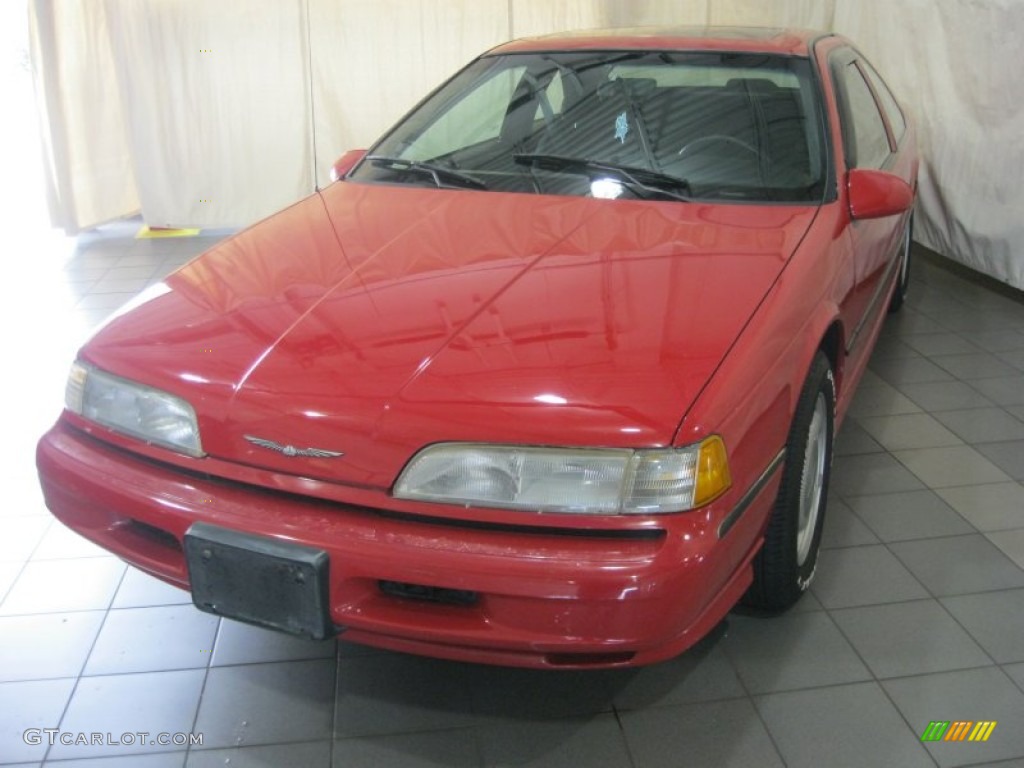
column 642, row 178
column 436, row 172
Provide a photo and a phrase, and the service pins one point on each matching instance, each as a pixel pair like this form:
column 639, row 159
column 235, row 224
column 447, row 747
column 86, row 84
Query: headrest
column 638, row 88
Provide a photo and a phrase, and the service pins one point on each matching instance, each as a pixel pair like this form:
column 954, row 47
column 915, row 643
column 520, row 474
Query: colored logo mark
column 959, row 730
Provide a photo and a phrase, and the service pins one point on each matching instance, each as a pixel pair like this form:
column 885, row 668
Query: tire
column 899, row 295
column 785, row 566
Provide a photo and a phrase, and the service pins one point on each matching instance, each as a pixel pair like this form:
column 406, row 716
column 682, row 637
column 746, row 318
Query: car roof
column 743, row 39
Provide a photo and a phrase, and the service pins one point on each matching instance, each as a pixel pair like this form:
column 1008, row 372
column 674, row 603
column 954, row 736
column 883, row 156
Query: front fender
column 751, row 398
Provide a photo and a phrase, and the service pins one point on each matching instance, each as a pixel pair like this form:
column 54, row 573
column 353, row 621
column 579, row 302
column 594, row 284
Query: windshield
column 636, row 124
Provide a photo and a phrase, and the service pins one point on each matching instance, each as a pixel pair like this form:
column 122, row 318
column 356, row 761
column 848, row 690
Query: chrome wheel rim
column 813, row 479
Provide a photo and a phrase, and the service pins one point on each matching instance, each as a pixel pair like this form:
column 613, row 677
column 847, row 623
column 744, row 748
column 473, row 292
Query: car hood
column 373, row 320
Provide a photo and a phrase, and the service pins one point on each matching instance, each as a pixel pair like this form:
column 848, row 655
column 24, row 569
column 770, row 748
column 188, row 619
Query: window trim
column 827, row 136
column 866, row 69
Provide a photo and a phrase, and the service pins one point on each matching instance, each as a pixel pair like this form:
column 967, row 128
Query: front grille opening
column 429, row 594
column 153, row 534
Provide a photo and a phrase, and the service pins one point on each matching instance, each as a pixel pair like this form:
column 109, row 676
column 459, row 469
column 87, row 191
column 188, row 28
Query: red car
column 549, row 377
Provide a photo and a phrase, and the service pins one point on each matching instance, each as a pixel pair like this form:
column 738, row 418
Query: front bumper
column 558, row 597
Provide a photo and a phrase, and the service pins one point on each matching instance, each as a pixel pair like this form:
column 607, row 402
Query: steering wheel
column 720, row 137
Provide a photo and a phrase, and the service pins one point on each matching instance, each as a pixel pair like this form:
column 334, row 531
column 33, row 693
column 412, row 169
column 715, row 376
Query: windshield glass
column 637, row 124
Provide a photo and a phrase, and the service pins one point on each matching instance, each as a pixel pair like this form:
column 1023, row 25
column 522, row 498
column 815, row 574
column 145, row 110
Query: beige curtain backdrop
column 215, row 114
column 89, row 163
column 218, row 99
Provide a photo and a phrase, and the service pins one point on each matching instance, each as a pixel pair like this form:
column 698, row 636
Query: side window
column 892, row 108
column 867, row 144
column 474, row 119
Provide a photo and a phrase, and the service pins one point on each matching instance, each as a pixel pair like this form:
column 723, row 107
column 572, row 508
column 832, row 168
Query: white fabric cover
column 89, row 164
column 214, row 114
column 218, row 104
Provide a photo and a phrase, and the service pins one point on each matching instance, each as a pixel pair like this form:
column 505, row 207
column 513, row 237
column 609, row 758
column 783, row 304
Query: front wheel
column 784, row 567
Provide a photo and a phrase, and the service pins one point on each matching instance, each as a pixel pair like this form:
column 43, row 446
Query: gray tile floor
column 917, row 613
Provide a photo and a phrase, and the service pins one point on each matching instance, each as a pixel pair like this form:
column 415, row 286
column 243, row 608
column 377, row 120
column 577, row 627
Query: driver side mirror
column 877, row 194
column 346, row 163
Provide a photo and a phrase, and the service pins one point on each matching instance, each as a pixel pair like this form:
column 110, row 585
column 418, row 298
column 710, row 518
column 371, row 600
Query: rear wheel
column 784, row 567
column 903, row 281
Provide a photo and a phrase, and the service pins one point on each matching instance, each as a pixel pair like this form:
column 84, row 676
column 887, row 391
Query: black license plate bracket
column 259, row 580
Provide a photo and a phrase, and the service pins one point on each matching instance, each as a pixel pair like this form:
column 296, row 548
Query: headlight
column 598, row 481
column 133, row 409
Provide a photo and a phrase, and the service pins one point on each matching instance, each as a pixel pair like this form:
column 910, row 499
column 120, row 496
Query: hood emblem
column 291, row 450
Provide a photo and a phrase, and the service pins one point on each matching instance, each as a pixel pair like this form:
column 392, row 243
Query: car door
column 868, row 142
